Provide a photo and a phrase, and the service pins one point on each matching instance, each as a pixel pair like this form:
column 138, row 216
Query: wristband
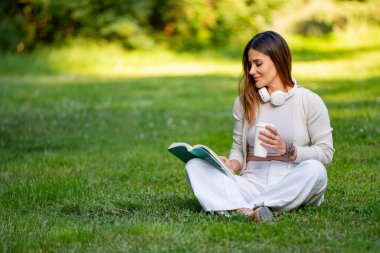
column 289, row 151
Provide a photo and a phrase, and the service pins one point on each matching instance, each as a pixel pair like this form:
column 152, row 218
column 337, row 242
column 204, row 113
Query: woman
column 298, row 139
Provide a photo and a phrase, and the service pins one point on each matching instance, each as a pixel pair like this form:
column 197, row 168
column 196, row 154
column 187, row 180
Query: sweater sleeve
column 320, row 132
column 236, row 152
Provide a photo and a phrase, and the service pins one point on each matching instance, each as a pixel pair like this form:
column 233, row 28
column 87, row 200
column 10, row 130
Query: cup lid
column 261, row 124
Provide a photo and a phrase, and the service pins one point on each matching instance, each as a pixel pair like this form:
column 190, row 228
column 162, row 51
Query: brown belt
column 268, row 158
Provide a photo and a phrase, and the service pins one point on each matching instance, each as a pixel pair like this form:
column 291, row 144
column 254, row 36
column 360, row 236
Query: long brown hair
column 273, row 45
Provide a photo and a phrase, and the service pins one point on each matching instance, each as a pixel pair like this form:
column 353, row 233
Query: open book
column 186, row 152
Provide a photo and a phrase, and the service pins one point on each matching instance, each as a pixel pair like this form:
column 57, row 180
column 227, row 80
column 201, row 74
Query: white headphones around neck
column 278, row 97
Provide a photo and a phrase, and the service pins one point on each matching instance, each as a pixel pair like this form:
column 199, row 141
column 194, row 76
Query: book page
column 186, row 152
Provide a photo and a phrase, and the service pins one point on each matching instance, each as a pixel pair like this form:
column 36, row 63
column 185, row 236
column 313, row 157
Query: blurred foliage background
column 180, row 25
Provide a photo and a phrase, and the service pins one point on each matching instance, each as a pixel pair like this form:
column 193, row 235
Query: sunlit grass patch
column 360, row 66
column 350, row 57
column 112, row 61
column 314, row 59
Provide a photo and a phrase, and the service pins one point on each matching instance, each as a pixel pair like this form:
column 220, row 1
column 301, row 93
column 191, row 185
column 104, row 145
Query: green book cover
column 186, row 152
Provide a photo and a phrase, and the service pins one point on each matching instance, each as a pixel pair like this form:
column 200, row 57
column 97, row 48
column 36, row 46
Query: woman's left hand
column 271, row 139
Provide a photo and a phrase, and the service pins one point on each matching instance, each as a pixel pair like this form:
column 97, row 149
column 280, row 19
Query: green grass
column 84, row 166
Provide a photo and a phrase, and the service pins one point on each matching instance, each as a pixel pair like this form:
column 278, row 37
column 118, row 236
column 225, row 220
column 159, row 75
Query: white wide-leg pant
column 279, row 185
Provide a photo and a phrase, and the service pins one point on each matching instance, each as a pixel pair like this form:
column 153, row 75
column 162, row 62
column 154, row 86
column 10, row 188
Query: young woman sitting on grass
column 298, row 138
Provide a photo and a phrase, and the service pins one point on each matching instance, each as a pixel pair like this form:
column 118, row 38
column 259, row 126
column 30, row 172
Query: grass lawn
column 84, row 166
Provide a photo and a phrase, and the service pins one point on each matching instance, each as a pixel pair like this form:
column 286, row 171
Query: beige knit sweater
column 312, row 133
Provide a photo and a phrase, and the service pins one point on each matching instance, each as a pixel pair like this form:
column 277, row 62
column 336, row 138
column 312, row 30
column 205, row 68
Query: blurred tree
column 180, row 24
column 12, row 26
column 318, row 18
column 194, row 24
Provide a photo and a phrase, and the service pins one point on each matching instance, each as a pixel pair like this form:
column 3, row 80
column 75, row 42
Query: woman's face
column 263, row 71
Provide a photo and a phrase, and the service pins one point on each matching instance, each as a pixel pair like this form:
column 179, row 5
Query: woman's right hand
column 226, row 161
column 232, row 165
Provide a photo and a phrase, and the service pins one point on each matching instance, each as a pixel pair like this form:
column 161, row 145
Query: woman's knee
column 315, row 168
column 193, row 163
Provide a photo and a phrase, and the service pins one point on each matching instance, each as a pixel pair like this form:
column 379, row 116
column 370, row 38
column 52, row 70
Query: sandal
column 263, row 214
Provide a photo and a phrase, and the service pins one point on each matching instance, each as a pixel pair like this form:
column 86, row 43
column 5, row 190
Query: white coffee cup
column 258, row 149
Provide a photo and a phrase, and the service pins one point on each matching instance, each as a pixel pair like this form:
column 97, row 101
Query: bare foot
column 247, row 212
column 260, row 214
